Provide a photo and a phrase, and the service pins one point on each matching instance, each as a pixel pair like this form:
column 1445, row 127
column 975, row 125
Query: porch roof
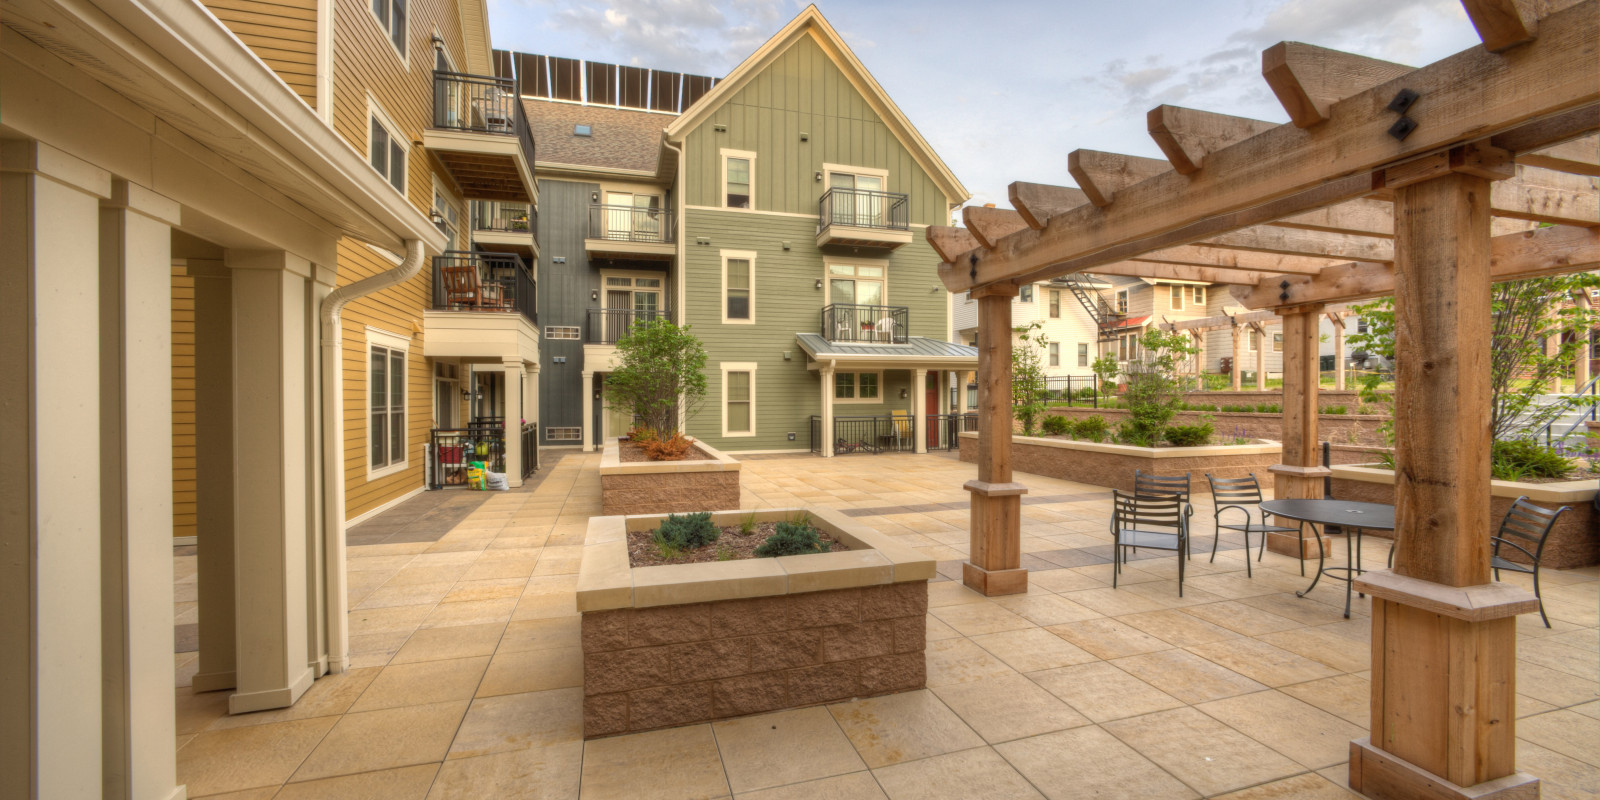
column 917, row 352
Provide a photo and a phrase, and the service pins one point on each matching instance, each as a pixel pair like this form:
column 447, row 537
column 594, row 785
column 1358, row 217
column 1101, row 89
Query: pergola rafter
column 1443, row 713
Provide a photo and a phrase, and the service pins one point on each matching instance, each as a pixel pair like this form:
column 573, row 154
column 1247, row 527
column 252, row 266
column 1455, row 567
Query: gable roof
column 810, row 21
column 620, row 138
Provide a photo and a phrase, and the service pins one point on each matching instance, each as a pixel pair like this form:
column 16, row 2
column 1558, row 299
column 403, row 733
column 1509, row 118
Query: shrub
column 660, row 374
column 1057, row 425
column 1517, row 459
column 1127, row 433
column 1189, row 435
column 687, row 531
column 791, row 539
column 1269, row 408
column 639, row 434
column 1336, row 410
column 747, row 525
column 1094, row 428
column 1086, row 393
column 672, row 448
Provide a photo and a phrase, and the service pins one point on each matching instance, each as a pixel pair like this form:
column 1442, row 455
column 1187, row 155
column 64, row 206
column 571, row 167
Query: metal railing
column 885, row 434
column 1074, row 390
column 530, row 450
column 944, row 430
column 493, row 215
column 1590, row 394
column 453, row 450
column 497, row 282
column 862, row 208
column 848, row 322
column 608, row 325
column 631, row 224
column 481, row 104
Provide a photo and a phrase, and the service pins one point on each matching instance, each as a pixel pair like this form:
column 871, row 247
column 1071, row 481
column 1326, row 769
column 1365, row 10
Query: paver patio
column 467, row 675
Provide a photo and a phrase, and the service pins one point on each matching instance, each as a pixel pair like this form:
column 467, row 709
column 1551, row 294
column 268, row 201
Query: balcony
column 506, row 227
column 492, row 283
column 863, row 218
column 480, row 133
column 608, row 325
column 847, row 322
column 630, row 232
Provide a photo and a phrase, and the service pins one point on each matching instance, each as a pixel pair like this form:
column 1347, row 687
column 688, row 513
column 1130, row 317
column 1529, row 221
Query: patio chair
column 1532, row 525
column 464, row 286
column 884, row 330
column 1133, row 518
column 1147, row 484
column 1242, row 494
column 904, row 427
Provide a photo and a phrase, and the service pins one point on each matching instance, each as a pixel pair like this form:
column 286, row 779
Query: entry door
column 618, row 318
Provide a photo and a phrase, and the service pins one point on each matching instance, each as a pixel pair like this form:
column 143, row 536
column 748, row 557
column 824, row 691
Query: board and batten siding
column 563, row 297
column 787, row 302
column 804, row 91
column 183, row 420
column 282, row 33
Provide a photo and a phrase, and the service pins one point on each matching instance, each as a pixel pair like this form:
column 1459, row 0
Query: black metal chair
column 1532, row 525
column 1242, row 494
column 1132, row 518
column 1146, row 484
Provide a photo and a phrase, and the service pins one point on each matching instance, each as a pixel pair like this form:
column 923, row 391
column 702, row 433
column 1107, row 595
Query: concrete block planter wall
column 1574, row 542
column 663, row 487
column 1347, row 430
column 1113, row 465
column 686, row 643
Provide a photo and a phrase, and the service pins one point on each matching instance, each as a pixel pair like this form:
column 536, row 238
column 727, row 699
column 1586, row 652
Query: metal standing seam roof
column 915, row 348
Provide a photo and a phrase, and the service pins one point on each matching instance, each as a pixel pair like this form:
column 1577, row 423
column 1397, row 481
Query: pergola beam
column 1195, row 255
column 1187, row 136
column 990, row 225
column 1222, row 322
column 1297, row 242
column 1308, row 79
column 1038, row 202
column 1179, row 272
column 1102, row 174
column 1504, row 24
column 1578, row 157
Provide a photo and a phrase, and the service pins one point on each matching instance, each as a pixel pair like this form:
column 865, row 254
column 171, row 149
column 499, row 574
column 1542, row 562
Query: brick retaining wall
column 668, row 492
column 1345, row 429
column 1113, row 466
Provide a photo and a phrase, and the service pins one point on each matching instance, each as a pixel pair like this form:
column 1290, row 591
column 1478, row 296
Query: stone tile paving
column 467, row 673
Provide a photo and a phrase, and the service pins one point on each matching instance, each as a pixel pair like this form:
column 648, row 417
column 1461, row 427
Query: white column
column 1338, row 354
column 1238, row 357
column 214, row 483
column 1261, row 357
column 516, row 391
column 50, row 573
column 826, row 432
column 588, row 411
column 919, row 408
column 272, row 315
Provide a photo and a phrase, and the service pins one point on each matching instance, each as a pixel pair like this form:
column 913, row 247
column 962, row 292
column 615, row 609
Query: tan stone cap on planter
column 606, row 581
column 1260, row 446
column 1471, row 603
column 611, row 462
column 1564, row 493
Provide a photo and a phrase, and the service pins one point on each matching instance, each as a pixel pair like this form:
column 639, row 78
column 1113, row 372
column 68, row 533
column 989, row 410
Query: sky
column 1004, row 91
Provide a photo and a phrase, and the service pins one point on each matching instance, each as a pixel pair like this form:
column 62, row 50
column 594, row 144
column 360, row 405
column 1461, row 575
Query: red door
column 931, row 408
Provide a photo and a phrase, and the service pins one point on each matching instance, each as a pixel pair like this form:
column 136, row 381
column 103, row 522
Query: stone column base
column 991, row 583
column 1381, row 776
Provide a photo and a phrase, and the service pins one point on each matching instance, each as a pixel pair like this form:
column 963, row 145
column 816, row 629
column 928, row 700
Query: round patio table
column 1348, row 515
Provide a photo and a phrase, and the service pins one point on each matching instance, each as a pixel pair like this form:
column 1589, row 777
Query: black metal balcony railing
column 631, row 224
column 489, row 215
column 455, row 449
column 481, row 104
column 847, row 322
column 495, row 282
column 861, row 208
column 608, row 325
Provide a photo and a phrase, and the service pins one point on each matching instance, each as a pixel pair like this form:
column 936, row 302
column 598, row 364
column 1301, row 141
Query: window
column 1055, row 354
column 857, row 284
column 449, row 216
column 738, row 286
column 639, row 293
column 738, row 399
column 1083, row 354
column 1055, row 303
column 1361, row 326
column 563, row 434
column 1200, row 296
column 386, row 405
column 1122, row 301
column 1128, row 347
column 738, row 179
column 859, row 200
column 391, row 16
column 1277, row 342
column 1176, row 293
column 562, row 332
column 1251, row 343
column 1026, row 294
column 632, row 217
column 858, row 387
column 386, row 153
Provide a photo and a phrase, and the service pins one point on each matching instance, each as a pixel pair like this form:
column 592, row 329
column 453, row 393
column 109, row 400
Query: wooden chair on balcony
column 463, row 286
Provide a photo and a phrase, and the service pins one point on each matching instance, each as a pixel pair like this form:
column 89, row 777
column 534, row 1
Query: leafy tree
column 1106, row 367
column 661, row 368
column 1027, row 376
column 1155, row 390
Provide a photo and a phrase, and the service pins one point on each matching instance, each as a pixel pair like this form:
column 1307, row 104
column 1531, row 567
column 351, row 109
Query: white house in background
column 1068, row 330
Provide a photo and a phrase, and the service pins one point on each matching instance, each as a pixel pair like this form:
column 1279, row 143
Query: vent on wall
column 563, row 434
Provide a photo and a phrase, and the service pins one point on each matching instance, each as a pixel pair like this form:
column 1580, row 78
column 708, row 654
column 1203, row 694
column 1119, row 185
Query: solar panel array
column 601, row 84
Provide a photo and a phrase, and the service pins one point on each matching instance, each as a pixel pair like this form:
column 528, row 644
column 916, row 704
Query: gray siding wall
column 563, row 299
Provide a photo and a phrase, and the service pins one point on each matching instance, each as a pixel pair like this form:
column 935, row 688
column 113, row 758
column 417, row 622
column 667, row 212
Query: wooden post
column 1261, row 356
column 1338, row 352
column 1301, row 473
column 994, row 566
column 919, row 410
column 1443, row 637
column 1238, row 357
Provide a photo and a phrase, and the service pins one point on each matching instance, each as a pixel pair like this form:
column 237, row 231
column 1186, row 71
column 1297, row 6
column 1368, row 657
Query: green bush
column 1056, row 425
column 1519, row 459
column 1128, row 433
column 687, row 531
column 1086, row 393
column 1094, row 428
column 791, row 539
column 1190, row 435
column 1269, row 408
column 1336, row 410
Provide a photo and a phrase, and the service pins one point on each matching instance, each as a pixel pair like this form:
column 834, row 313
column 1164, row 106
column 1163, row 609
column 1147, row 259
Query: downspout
column 333, row 446
column 679, row 283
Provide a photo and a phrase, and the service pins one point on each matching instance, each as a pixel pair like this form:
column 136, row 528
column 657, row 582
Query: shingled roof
column 621, row 138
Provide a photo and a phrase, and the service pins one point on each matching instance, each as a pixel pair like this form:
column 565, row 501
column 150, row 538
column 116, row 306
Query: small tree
column 1155, row 390
column 1106, row 368
column 662, row 369
column 1027, row 376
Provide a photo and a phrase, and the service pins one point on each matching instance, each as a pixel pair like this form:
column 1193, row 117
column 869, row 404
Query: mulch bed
column 730, row 546
column 631, row 451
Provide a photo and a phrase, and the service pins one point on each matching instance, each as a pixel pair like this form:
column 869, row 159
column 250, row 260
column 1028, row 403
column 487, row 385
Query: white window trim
column 1031, row 291
column 723, row 155
column 856, row 381
column 1123, row 304
column 827, row 276
column 457, row 204
column 1200, row 296
column 375, row 110
column 1252, row 341
column 1053, row 296
column 1277, row 342
column 432, row 48
column 1175, row 297
column 722, row 296
column 738, row 366
column 395, row 342
column 1048, row 353
column 388, row 35
column 1083, row 354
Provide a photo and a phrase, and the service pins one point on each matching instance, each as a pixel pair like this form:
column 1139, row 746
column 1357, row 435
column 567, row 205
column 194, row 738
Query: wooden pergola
column 1422, row 183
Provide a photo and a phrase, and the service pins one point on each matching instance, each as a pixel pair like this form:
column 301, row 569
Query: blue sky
column 1004, row 92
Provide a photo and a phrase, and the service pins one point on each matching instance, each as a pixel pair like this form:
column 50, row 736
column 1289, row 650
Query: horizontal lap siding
column 282, row 33
column 183, row 432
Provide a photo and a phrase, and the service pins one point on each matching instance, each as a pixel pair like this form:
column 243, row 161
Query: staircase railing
column 1591, row 390
column 1105, row 316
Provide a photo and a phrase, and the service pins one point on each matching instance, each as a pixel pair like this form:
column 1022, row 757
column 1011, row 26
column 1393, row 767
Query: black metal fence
column 862, row 208
column 1074, row 390
column 608, row 325
column 890, row 433
column 848, row 322
column 455, row 449
column 481, row 104
column 471, row 281
column 631, row 224
column 944, row 430
column 530, row 450
column 490, row 215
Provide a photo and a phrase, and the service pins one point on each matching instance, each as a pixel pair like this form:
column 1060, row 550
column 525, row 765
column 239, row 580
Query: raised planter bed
column 1340, row 429
column 1113, row 465
column 686, row 643
column 664, row 487
column 1574, row 542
